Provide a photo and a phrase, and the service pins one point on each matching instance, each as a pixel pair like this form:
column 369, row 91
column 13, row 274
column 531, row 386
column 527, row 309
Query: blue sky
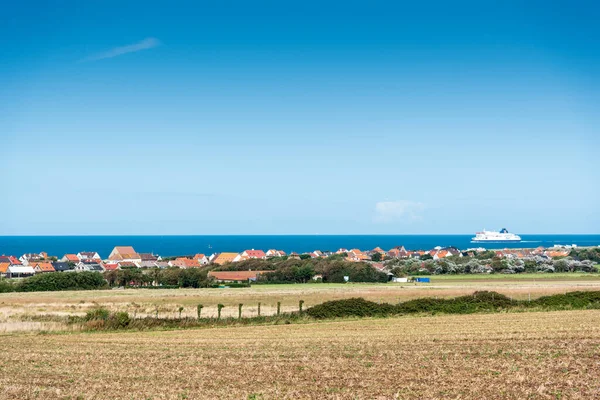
column 277, row 118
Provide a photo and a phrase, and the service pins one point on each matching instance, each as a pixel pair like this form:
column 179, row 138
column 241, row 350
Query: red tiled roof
column 111, row 267
column 255, row 253
column 14, row 260
column 45, row 267
column 223, row 258
column 127, row 264
column 4, row 267
column 71, row 257
column 183, row 262
column 234, row 275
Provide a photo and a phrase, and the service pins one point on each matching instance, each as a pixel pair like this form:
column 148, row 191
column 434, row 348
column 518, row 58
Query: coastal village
column 126, row 257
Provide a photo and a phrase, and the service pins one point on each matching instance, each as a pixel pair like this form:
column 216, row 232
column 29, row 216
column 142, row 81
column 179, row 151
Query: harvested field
column 15, row 307
column 522, row 355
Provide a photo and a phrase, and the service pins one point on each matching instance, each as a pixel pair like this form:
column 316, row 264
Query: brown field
column 16, row 309
column 552, row 355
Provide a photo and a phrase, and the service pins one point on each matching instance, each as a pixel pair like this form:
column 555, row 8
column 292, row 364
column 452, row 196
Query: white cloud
column 145, row 44
column 390, row 211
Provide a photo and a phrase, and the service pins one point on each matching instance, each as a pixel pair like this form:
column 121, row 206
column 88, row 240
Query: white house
column 275, row 253
column 19, row 271
column 94, row 267
column 125, row 253
column 88, row 255
column 30, row 257
column 201, row 258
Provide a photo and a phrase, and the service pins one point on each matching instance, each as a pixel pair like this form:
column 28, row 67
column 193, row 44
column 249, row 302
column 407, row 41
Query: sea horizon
column 172, row 245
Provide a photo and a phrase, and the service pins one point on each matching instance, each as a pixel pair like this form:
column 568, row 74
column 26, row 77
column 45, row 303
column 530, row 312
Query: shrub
column 97, row 314
column 6, row 286
column 120, row 320
column 354, row 307
column 55, row 281
column 567, row 300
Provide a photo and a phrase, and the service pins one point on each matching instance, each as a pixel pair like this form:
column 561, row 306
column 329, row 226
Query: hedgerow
column 56, row 281
column 477, row 302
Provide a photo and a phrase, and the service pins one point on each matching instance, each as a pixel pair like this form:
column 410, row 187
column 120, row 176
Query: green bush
column 477, row 302
column 120, row 319
column 354, row 307
column 97, row 314
column 6, row 286
column 567, row 300
column 55, row 281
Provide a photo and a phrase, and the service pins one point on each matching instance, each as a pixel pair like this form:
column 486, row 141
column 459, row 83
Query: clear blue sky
column 299, row 117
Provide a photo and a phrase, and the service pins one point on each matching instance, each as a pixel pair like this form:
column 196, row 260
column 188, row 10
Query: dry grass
column 143, row 302
column 529, row 355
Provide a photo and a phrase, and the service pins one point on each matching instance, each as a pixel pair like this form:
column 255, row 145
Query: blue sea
column 184, row 245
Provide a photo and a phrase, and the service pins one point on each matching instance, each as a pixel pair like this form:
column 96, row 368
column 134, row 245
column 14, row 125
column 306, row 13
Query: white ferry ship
column 491, row 236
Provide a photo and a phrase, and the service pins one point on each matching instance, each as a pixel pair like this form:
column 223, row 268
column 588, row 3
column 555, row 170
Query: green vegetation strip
column 477, row 302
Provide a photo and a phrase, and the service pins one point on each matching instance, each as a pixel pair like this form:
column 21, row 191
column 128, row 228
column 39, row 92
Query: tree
column 376, row 256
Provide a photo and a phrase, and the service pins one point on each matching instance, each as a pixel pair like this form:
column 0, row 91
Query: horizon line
column 282, row 234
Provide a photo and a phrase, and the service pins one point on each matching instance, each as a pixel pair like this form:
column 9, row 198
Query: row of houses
column 127, row 257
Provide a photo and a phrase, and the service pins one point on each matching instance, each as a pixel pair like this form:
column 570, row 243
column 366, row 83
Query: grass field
column 17, row 308
column 552, row 355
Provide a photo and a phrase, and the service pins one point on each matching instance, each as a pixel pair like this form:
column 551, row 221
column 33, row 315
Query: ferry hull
column 494, row 241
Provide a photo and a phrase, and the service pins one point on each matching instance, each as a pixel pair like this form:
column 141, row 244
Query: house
column 275, row 253
column 4, row 268
column 26, row 258
column 380, row 251
column 124, row 253
column 557, row 253
column 248, row 254
column 394, row 253
column 10, row 259
column 43, row 267
column 356, row 255
column 223, row 258
column 183, row 262
column 416, row 253
column 111, row 267
column 145, row 264
column 316, row 254
column 378, row 266
column 201, row 258
column 93, row 267
column 441, row 254
column 235, row 276
column 70, row 258
column 149, row 257
column 19, row 271
column 88, row 255
column 62, row 266
column 341, row 251
column 294, row 255
column 161, row 264
column 127, row 264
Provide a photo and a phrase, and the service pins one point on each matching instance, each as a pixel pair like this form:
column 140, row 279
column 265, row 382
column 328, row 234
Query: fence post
column 240, row 311
column 300, row 303
column 259, row 308
column 219, row 307
column 278, row 307
column 200, row 307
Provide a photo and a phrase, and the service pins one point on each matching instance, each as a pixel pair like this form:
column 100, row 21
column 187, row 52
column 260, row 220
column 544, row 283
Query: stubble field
column 17, row 309
column 539, row 355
